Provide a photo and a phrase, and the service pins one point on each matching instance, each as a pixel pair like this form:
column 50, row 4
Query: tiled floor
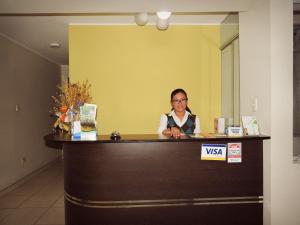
column 39, row 201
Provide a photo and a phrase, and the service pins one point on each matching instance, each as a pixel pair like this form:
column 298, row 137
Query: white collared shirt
column 164, row 122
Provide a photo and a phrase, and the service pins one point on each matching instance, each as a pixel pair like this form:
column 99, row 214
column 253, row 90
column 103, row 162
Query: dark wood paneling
column 245, row 214
column 130, row 171
column 161, row 170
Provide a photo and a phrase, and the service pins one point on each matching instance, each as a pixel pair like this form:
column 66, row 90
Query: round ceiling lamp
column 141, row 19
column 162, row 24
column 54, row 45
column 163, row 15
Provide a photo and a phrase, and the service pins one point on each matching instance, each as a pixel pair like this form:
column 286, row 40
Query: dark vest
column 188, row 127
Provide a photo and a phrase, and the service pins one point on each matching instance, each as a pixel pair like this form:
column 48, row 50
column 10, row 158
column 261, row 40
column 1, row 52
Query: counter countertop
column 131, row 138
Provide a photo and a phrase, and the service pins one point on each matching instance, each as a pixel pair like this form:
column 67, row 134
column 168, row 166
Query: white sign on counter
column 234, row 153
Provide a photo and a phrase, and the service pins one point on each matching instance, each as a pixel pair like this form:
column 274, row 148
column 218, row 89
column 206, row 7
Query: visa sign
column 213, row 152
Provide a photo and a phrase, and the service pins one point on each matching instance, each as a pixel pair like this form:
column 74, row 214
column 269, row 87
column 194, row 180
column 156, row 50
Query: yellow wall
column 134, row 69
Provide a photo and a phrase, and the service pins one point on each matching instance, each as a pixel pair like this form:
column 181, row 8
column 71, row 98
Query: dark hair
column 179, row 90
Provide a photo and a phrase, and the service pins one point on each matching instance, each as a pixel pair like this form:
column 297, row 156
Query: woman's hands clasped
column 173, row 132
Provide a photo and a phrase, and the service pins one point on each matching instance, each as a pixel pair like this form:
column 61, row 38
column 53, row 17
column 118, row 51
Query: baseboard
column 28, row 177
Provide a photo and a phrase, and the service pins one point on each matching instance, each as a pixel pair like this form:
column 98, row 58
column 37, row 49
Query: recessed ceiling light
column 54, row 45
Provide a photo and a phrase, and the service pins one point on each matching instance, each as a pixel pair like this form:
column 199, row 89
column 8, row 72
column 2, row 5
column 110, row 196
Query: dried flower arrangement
column 67, row 103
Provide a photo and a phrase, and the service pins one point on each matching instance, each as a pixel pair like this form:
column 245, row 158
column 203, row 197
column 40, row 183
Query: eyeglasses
column 177, row 101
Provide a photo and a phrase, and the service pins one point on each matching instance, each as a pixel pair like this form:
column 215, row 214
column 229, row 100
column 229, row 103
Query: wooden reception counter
column 155, row 180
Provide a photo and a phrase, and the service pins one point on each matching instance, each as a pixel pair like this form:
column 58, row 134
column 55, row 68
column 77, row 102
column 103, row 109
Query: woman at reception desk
column 165, row 178
column 180, row 120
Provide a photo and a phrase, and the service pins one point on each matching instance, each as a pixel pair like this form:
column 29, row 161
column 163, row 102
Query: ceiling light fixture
column 163, row 15
column 162, row 21
column 141, row 19
column 162, row 24
column 54, row 45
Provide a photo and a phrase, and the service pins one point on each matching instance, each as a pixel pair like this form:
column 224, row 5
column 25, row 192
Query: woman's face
column 179, row 102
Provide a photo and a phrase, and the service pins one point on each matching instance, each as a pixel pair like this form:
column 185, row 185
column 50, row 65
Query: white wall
column 229, row 28
column 26, row 80
column 255, row 80
column 285, row 182
column 266, row 48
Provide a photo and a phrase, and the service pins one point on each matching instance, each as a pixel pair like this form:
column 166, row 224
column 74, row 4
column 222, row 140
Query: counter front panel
column 161, row 181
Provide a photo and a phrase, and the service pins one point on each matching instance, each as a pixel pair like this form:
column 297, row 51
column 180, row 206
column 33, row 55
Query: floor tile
column 27, row 216
column 4, row 213
column 40, row 181
column 11, row 202
column 53, row 189
column 40, row 201
column 55, row 215
column 26, row 190
column 60, row 202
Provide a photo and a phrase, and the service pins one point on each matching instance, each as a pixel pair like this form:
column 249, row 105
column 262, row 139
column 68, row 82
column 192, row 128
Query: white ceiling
column 36, row 23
